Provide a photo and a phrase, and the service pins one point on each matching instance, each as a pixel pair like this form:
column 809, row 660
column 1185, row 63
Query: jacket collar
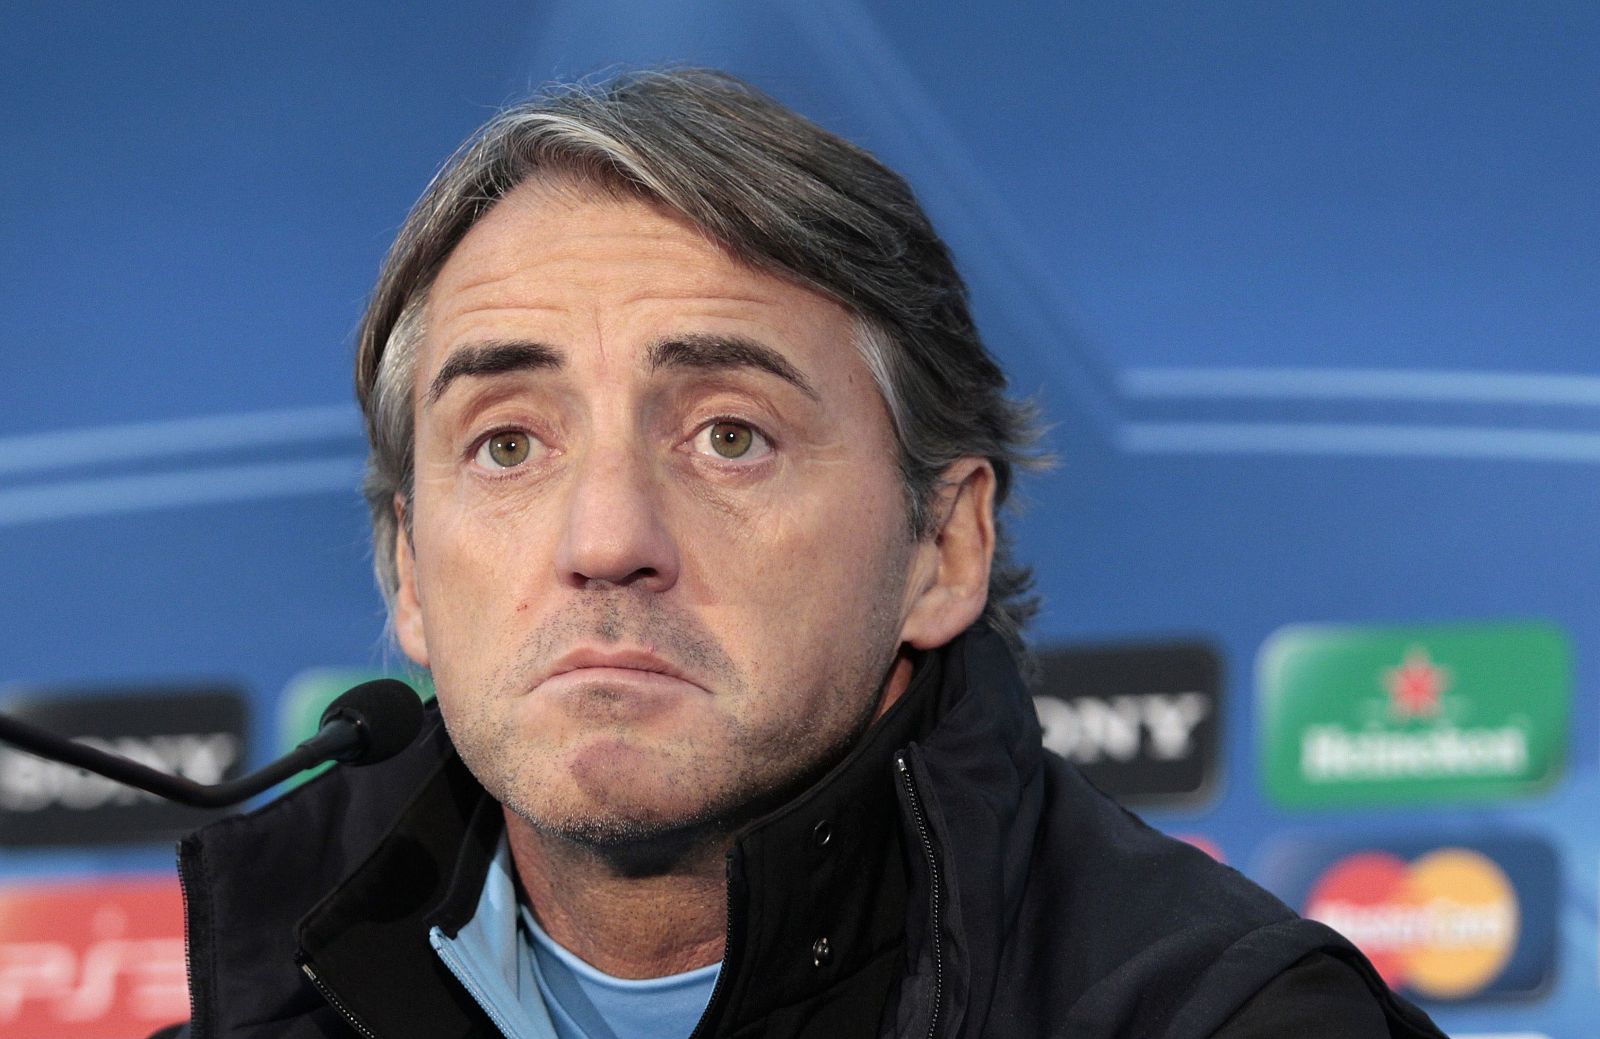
column 817, row 890
column 977, row 775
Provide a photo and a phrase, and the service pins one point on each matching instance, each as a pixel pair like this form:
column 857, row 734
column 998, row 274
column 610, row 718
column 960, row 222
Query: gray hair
column 781, row 194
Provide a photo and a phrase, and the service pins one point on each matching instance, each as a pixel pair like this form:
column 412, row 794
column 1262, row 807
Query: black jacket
column 949, row 878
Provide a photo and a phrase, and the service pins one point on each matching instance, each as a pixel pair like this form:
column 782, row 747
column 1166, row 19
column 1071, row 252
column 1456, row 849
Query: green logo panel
column 310, row 692
column 1354, row 717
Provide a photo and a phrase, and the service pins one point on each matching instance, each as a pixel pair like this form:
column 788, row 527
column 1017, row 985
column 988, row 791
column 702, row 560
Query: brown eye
column 731, row 440
column 505, row 450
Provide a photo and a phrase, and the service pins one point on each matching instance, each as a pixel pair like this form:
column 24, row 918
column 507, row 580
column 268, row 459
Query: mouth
column 615, row 659
column 627, row 668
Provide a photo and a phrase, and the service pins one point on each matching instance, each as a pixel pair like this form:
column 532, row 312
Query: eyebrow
column 490, row 359
column 704, row 352
column 711, row 352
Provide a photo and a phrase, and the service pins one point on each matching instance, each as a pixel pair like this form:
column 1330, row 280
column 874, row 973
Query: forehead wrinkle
column 460, row 304
column 662, row 296
column 490, row 307
column 480, row 293
column 489, row 278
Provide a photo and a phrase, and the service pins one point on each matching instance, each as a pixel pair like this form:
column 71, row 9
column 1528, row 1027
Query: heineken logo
column 1361, row 716
column 1416, row 685
column 1330, row 754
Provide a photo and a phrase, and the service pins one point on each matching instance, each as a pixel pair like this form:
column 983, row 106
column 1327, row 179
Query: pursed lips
column 625, row 665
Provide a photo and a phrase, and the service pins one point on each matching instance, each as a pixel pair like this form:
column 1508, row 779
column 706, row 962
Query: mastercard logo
column 1443, row 925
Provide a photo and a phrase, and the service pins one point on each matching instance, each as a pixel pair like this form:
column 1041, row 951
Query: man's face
column 660, row 563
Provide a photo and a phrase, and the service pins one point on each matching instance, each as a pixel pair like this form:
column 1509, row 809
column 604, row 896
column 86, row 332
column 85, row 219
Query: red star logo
column 1416, row 685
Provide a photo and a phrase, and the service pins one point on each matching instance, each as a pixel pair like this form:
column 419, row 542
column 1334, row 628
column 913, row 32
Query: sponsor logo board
column 197, row 732
column 92, row 960
column 1370, row 716
column 1140, row 721
column 310, row 692
column 1447, row 921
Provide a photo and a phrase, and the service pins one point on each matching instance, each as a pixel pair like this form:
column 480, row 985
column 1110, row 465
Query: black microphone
column 370, row 723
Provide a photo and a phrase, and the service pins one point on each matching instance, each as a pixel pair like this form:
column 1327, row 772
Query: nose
column 615, row 532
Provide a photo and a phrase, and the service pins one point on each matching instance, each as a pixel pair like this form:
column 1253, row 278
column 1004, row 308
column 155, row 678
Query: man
column 685, row 465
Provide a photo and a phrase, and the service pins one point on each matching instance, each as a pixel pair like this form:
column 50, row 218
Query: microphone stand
column 337, row 738
column 367, row 724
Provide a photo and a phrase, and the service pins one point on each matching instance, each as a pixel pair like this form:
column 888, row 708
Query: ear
column 950, row 569
column 407, row 607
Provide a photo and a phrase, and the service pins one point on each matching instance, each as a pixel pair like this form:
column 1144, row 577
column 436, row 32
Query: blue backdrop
column 1307, row 292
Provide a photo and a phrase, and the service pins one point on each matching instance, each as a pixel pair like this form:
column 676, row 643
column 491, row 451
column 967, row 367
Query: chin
column 647, row 816
column 637, row 842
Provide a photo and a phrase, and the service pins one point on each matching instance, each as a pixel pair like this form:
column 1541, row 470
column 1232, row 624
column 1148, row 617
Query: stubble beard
column 748, row 771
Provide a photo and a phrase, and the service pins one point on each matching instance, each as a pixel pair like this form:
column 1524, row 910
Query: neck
column 628, row 925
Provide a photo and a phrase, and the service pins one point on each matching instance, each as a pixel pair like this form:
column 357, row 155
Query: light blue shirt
column 532, row 988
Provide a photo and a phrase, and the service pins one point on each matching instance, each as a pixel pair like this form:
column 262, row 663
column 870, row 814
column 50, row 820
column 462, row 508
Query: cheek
column 799, row 566
column 470, row 569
